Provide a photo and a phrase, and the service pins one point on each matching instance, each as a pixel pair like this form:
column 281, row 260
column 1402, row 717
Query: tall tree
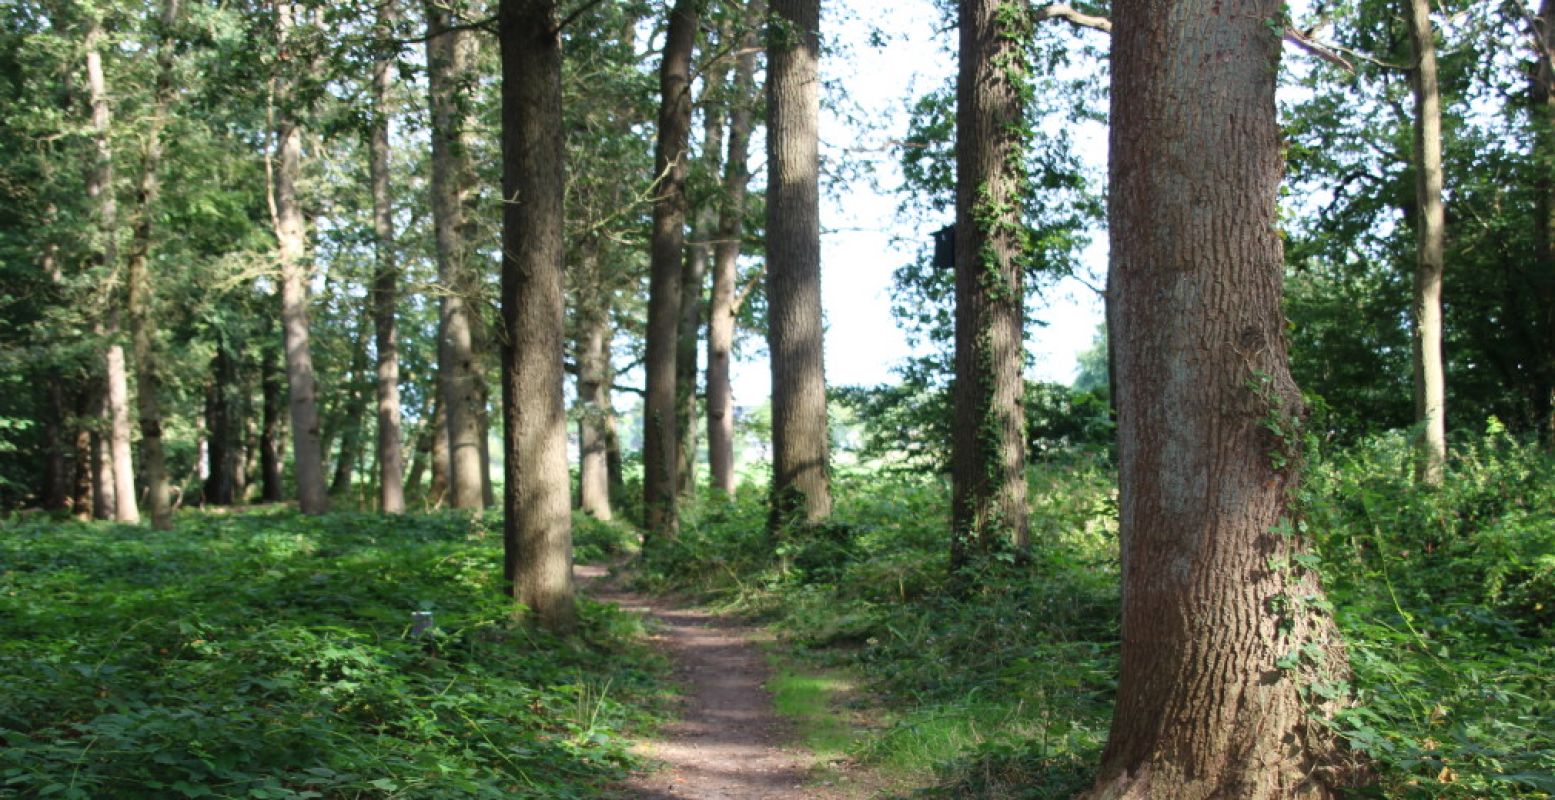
column 1215, row 600
column 660, row 441
column 801, row 474
column 291, row 237
column 1541, row 96
column 100, row 188
column 391, row 487
column 723, row 303
column 450, row 59
column 592, row 351
column 148, row 377
column 988, row 453
column 1430, row 234
column 536, row 498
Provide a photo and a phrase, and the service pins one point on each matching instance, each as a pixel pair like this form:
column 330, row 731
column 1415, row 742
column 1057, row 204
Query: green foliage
column 273, row 656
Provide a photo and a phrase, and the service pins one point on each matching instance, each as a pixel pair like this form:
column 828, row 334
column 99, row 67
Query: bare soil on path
column 728, row 743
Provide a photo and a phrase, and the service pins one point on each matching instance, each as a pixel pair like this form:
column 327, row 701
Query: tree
column 537, row 531
column 100, row 187
column 391, row 489
column 988, row 454
column 1220, row 620
column 291, row 238
column 1541, row 98
column 801, row 470
column 660, row 440
column 723, row 303
column 450, row 56
column 1430, row 232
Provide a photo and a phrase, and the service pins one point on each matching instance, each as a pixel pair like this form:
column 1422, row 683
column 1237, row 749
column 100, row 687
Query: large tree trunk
column 224, row 420
column 801, row 468
column 270, row 443
column 1430, row 233
column 307, row 453
column 726, row 256
column 694, row 279
column 100, row 189
column 391, row 487
column 988, row 457
column 1214, row 599
column 450, row 53
column 538, row 518
column 1542, row 97
column 593, row 357
column 660, row 440
column 148, row 381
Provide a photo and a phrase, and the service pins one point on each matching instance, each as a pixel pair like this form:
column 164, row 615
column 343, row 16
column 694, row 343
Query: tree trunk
column 693, row 280
column 391, row 487
column 592, row 348
column 85, row 499
column 988, row 457
column 437, row 491
column 801, row 475
column 660, row 440
column 1430, row 232
column 224, row 421
column 270, row 456
column 450, row 52
column 537, row 532
column 355, row 392
column 726, row 257
column 148, row 381
column 1219, row 616
column 1542, row 97
column 104, row 487
column 307, row 454
column 100, row 189
column 56, row 473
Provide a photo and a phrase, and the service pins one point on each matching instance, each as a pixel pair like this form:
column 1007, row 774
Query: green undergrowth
column 267, row 655
column 998, row 684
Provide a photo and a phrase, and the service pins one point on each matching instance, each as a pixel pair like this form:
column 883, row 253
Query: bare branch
column 1066, row 12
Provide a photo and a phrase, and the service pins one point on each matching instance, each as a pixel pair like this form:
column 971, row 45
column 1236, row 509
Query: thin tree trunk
column 694, row 278
column 726, row 257
column 1215, row 600
column 272, row 381
column 391, row 488
column 660, row 440
column 450, row 52
column 307, row 453
column 224, row 423
column 988, row 456
column 85, row 500
column 100, row 190
column 1430, row 233
column 104, row 487
column 56, row 475
column 801, row 475
column 148, row 381
column 593, row 356
column 351, row 434
column 437, row 492
column 537, row 532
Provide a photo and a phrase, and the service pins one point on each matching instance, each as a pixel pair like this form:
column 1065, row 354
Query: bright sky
column 857, row 256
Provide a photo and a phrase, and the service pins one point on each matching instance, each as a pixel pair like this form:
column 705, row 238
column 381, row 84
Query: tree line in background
column 293, row 212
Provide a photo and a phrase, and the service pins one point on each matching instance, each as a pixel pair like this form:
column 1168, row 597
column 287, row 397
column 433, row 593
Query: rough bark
column 148, row 378
column 291, row 238
column 1430, row 234
column 437, row 491
column 801, row 476
column 272, row 386
column 391, row 487
column 660, row 440
column 988, row 456
column 538, row 516
column 1218, row 616
column 100, row 191
column 592, row 347
column 450, row 57
column 726, row 256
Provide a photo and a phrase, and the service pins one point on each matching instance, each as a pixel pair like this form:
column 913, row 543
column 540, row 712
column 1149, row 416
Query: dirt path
column 727, row 744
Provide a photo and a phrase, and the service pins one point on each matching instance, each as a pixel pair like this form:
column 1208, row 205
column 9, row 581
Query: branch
column 487, row 25
column 1067, row 13
column 750, row 285
column 580, row 11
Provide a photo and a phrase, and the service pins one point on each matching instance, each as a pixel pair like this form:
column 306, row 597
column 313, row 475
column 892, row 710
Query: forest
column 369, row 429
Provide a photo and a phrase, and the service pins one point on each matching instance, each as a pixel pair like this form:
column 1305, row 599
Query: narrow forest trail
column 727, row 743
